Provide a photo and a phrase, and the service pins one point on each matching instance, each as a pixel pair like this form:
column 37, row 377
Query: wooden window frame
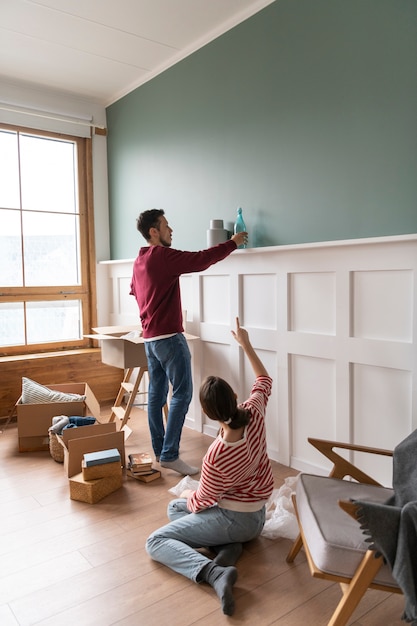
column 86, row 291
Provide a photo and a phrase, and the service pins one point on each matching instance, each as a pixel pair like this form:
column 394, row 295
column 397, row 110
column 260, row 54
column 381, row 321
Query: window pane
column 48, row 173
column 10, row 249
column 9, row 171
column 12, row 328
column 51, row 249
column 53, row 321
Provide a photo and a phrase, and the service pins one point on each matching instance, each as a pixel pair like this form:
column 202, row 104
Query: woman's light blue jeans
column 175, row 545
column 169, row 360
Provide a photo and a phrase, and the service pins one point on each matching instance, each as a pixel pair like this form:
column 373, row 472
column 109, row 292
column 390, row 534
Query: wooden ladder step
column 119, row 412
column 127, row 386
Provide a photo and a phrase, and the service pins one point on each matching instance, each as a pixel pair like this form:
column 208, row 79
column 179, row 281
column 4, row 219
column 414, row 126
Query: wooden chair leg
column 295, row 549
column 359, row 584
column 298, row 543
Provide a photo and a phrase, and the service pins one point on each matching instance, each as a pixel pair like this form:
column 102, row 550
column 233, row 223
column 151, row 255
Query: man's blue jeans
column 176, row 544
column 169, row 361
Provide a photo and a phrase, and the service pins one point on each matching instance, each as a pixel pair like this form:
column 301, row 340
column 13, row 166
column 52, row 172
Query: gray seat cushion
column 335, row 540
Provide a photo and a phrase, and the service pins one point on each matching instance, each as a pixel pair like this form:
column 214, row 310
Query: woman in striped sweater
column 228, row 508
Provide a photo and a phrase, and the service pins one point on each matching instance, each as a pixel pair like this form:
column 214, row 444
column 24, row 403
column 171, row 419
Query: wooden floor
column 64, row 562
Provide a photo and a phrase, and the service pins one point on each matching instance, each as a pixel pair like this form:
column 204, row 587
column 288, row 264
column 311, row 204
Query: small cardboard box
column 34, row 420
column 92, row 491
column 120, row 351
column 101, row 471
column 77, row 441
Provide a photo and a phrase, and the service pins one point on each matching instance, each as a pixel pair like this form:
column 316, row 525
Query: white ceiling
column 103, row 49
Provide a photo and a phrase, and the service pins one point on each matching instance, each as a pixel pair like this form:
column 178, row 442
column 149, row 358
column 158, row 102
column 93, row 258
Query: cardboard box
column 34, row 420
column 118, row 351
column 101, row 471
column 92, row 491
column 77, row 441
column 121, row 351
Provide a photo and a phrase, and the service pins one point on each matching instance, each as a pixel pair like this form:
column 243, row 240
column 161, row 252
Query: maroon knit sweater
column 156, row 283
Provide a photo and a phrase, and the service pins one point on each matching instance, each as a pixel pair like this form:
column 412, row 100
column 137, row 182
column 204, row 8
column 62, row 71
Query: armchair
column 334, row 543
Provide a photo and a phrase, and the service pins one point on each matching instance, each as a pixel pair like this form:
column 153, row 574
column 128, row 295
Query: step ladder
column 123, row 407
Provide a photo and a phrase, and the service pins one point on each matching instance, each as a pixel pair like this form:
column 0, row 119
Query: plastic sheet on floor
column 185, row 483
column 280, row 516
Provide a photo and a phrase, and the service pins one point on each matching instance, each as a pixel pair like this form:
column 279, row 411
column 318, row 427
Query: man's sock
column 222, row 580
column 227, row 554
column 180, row 467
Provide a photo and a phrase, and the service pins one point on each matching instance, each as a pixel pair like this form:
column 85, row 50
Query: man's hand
column 240, row 238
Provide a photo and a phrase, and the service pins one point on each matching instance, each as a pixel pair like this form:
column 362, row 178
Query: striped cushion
column 35, row 393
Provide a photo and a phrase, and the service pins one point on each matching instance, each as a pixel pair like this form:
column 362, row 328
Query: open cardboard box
column 77, row 441
column 120, row 350
column 34, row 420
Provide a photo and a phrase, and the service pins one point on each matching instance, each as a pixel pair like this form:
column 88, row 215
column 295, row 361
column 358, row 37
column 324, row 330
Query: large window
column 46, row 247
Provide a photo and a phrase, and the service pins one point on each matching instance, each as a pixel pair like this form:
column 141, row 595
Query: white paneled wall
column 335, row 323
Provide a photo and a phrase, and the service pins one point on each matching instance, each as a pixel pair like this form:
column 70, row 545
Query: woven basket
column 55, row 448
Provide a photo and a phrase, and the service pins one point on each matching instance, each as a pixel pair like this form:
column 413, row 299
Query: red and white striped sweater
column 238, row 476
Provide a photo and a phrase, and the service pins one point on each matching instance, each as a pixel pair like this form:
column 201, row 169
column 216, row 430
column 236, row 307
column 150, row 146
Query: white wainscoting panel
column 313, row 303
column 313, row 397
column 215, row 299
column 383, row 305
column 259, row 290
column 382, row 408
column 335, row 323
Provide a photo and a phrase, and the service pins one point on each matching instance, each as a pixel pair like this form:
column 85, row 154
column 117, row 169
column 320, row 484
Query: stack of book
column 140, row 467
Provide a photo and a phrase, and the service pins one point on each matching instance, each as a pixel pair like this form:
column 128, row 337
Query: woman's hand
column 241, row 334
column 242, row 337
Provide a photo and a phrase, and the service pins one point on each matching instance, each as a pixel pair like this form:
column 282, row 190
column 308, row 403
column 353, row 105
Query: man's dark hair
column 147, row 220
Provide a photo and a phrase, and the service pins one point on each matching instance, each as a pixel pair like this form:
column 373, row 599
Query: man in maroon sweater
column 156, row 287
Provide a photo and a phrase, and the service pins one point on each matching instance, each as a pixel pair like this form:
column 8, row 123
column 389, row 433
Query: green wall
column 305, row 115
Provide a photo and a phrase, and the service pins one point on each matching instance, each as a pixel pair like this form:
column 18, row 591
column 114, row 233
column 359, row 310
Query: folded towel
column 58, row 423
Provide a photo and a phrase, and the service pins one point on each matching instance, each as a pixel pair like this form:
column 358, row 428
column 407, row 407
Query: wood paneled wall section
column 78, row 366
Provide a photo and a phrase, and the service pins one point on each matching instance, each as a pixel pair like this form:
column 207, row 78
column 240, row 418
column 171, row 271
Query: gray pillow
column 35, row 393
